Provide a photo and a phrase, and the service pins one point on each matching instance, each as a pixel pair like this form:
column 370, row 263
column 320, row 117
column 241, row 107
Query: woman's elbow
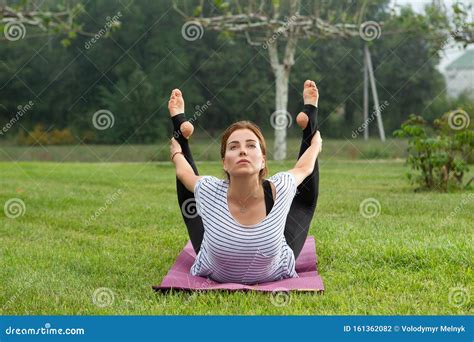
column 180, row 176
column 309, row 170
column 305, row 171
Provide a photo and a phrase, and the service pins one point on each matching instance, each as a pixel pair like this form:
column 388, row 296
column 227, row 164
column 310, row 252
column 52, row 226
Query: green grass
column 204, row 148
column 404, row 261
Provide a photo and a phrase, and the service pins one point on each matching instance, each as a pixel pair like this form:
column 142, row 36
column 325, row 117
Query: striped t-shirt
column 232, row 252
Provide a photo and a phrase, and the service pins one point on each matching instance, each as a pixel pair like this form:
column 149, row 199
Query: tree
column 15, row 19
column 278, row 26
column 69, row 84
column 463, row 30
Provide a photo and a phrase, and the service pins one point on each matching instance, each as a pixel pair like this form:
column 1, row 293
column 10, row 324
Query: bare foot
column 310, row 96
column 176, row 106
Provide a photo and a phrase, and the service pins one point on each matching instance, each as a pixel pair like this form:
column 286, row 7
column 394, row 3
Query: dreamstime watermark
column 103, row 119
column 192, row 30
column 14, row 208
column 370, row 30
column 188, row 208
column 110, row 199
column 458, row 296
column 21, row 111
column 370, row 208
column 14, row 30
column 103, row 297
column 18, row 293
column 371, row 118
column 453, row 35
column 199, row 110
column 109, row 24
column 281, row 119
column 280, row 297
column 46, row 330
column 281, row 30
column 466, row 198
column 458, row 119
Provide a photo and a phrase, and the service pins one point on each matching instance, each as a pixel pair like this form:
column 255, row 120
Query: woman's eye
column 232, row 147
column 253, row 146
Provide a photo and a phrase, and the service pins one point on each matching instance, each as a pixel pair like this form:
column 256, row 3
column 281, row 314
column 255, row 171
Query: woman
column 249, row 230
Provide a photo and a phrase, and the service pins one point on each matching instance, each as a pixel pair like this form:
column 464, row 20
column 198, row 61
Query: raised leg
column 304, row 204
column 182, row 130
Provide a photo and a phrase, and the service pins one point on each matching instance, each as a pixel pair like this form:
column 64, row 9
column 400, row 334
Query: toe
column 177, row 92
column 307, row 83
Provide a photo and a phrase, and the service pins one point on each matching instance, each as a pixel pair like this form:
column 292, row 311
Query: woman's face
column 243, row 145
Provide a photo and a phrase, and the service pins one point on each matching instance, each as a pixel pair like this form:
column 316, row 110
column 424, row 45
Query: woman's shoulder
column 210, row 179
column 208, row 182
column 284, row 177
column 284, row 181
column 206, row 192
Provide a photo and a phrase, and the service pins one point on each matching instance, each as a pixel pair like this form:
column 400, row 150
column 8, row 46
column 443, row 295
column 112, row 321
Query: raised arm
column 305, row 165
column 184, row 171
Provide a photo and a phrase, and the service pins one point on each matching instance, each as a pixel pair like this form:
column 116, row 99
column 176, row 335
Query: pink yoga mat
column 179, row 278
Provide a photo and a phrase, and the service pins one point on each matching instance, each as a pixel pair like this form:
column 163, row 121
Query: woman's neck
column 245, row 188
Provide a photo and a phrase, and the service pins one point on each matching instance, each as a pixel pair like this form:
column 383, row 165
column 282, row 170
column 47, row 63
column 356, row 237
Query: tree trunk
column 281, row 119
column 281, row 116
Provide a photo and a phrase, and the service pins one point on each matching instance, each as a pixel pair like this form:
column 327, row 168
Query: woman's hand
column 317, row 140
column 174, row 147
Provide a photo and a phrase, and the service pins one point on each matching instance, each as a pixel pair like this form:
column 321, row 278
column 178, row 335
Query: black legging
column 303, row 205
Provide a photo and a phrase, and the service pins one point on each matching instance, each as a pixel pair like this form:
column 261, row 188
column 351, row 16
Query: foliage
column 69, row 84
column 39, row 136
column 438, row 154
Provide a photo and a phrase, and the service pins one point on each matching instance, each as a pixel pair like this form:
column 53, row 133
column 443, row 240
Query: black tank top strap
column 267, row 189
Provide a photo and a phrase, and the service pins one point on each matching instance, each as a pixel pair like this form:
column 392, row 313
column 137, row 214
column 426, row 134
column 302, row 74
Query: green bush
column 39, row 136
column 61, row 137
column 440, row 153
column 89, row 137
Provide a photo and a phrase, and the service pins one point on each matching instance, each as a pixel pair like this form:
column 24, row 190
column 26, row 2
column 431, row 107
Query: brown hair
column 256, row 130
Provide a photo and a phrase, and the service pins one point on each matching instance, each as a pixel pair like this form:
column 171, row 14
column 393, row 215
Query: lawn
column 407, row 260
column 204, row 149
